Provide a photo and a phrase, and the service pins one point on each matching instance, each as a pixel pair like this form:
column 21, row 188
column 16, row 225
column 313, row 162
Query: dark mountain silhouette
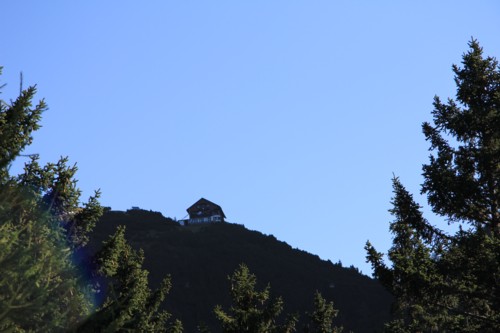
column 200, row 257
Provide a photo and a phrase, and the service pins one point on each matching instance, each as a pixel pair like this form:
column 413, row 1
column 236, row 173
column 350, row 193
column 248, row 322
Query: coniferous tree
column 55, row 190
column 451, row 282
column 18, row 120
column 44, row 230
column 252, row 311
column 40, row 289
column 321, row 318
column 130, row 304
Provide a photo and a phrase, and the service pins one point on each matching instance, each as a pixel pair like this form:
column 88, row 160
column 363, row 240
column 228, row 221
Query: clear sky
column 291, row 115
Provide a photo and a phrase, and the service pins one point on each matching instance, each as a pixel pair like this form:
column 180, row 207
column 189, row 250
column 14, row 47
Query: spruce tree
column 451, row 282
column 321, row 318
column 130, row 305
column 40, row 287
column 44, row 229
column 252, row 311
column 18, row 120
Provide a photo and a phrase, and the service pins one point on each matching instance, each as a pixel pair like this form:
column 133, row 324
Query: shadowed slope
column 199, row 259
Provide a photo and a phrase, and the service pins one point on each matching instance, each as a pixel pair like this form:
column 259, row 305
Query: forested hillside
column 200, row 258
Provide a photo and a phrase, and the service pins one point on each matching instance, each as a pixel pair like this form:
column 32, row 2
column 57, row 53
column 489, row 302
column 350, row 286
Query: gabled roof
column 204, row 201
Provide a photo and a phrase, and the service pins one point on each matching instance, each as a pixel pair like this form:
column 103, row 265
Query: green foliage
column 18, row 120
column 130, row 304
column 442, row 282
column 54, row 187
column 40, row 289
column 43, row 228
column 413, row 272
column 321, row 318
column 462, row 182
column 252, row 311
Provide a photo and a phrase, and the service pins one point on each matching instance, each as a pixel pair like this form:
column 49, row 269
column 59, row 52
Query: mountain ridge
column 200, row 257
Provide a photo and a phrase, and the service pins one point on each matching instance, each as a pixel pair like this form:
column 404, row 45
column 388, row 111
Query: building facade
column 204, row 211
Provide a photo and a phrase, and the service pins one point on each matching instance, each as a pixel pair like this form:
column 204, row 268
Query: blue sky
column 291, row 115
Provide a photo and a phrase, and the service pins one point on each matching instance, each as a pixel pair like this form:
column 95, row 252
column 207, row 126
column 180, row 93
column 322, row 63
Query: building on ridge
column 204, row 211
